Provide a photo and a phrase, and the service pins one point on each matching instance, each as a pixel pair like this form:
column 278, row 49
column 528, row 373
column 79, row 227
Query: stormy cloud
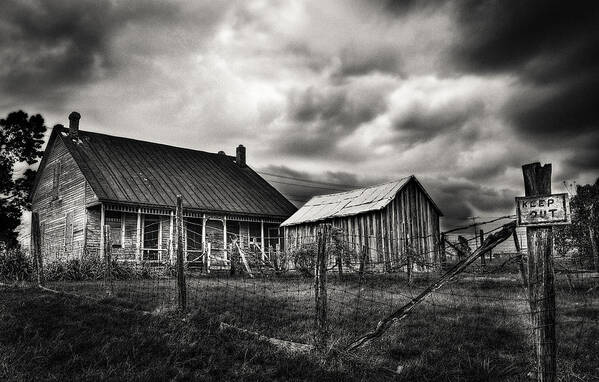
column 330, row 95
column 552, row 49
column 49, row 46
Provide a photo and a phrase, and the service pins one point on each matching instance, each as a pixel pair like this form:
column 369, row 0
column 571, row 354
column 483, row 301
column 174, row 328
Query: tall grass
column 475, row 328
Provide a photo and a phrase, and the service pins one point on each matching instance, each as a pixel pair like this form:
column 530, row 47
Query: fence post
column 481, row 237
column 36, row 248
column 363, row 261
column 179, row 250
column 277, row 256
column 338, row 251
column 320, row 289
column 410, row 251
column 443, row 253
column 541, row 289
column 520, row 260
column 107, row 260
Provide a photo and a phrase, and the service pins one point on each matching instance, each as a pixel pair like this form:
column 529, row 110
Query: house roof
column 125, row 170
column 352, row 202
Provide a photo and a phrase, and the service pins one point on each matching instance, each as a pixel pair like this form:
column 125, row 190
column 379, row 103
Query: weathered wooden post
column 363, row 261
column 340, row 260
column 320, row 289
column 409, row 257
column 337, row 239
column 277, row 261
column 36, row 248
column 520, row 260
column 107, row 260
column 481, row 236
column 442, row 249
column 179, row 251
column 387, row 254
column 539, row 211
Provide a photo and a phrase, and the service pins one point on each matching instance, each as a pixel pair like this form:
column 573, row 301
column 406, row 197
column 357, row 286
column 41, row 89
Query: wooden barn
column 385, row 220
column 87, row 180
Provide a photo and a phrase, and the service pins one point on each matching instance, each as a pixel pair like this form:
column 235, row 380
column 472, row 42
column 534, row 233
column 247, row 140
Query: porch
column 145, row 234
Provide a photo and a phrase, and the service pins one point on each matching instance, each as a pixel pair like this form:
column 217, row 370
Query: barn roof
column 352, row 202
column 125, row 170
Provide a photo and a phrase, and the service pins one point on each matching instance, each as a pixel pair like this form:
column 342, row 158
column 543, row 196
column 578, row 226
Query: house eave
column 189, row 210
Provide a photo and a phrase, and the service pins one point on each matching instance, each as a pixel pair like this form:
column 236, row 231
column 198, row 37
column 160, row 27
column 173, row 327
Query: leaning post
column 179, row 251
column 36, row 249
column 541, row 289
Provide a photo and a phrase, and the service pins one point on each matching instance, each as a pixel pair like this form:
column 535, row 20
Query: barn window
column 56, row 179
column 115, row 221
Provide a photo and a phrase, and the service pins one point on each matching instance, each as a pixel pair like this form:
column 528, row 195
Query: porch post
column 159, row 238
column 225, row 237
column 123, row 223
column 170, row 239
column 262, row 238
column 102, row 223
column 138, row 249
column 279, row 236
column 204, row 233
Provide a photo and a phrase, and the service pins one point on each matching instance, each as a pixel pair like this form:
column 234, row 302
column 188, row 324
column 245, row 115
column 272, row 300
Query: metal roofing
column 138, row 172
column 347, row 203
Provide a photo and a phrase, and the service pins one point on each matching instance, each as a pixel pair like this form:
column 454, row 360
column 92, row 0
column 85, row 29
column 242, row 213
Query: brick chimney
column 74, row 118
column 240, row 159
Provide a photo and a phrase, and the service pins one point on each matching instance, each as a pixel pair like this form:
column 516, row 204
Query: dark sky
column 459, row 93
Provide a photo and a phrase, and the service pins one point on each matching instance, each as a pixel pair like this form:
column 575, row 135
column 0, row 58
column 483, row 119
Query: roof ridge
column 363, row 188
column 86, row 132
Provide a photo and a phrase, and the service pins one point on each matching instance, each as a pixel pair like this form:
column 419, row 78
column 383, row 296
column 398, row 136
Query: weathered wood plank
column 537, row 181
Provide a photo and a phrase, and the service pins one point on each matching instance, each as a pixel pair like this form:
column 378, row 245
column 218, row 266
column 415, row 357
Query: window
column 115, row 221
column 56, row 179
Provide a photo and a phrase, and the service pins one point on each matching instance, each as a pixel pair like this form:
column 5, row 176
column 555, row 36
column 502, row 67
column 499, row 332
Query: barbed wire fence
column 329, row 292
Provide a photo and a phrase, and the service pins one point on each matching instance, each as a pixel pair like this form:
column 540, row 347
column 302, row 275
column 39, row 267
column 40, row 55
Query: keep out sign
column 543, row 210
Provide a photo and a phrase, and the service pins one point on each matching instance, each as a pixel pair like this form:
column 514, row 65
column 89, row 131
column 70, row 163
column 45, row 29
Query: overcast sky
column 459, row 93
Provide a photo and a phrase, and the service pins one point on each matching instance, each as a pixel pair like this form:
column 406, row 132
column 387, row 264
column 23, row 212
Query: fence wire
column 479, row 323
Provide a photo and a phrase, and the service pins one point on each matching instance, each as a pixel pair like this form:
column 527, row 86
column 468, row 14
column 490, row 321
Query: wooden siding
column 409, row 219
column 62, row 209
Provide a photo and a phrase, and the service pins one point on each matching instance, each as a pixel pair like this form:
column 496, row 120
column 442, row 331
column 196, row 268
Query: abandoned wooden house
column 384, row 220
column 87, row 180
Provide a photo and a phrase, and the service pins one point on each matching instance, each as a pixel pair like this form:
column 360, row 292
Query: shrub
column 92, row 268
column 15, row 265
column 74, row 270
column 303, row 259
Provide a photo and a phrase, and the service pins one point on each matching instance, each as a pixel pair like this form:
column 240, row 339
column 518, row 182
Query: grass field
column 46, row 336
column 476, row 328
